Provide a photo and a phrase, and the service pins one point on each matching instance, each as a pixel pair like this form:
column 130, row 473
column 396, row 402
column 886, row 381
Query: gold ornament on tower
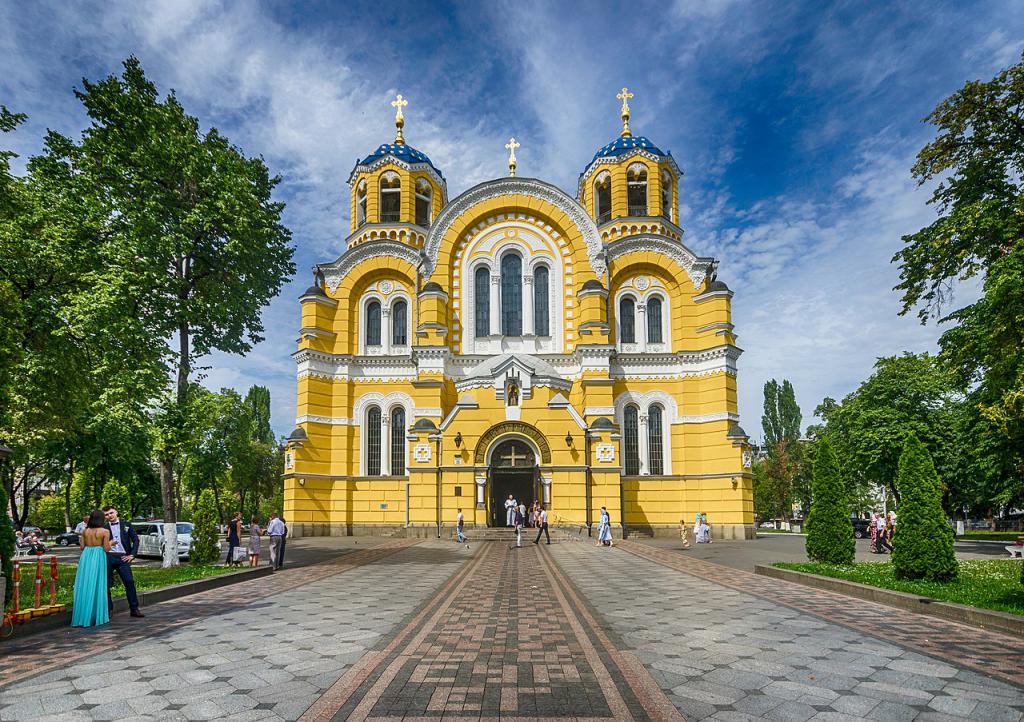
column 398, row 103
column 511, row 146
column 624, row 96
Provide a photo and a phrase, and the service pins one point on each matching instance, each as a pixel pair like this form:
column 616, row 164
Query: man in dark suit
column 124, row 545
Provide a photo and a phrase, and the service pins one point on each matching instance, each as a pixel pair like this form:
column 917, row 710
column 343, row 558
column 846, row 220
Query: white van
column 151, row 538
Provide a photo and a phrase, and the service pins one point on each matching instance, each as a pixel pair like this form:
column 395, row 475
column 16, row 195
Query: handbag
column 239, row 554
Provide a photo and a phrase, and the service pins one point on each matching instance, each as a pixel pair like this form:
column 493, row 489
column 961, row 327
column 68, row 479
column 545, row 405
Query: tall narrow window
column 482, row 302
column 636, row 189
column 631, row 441
column 373, row 323
column 399, row 324
column 541, row 317
column 627, row 320
column 654, row 320
column 398, row 441
column 655, row 452
column 373, row 441
column 666, row 195
column 603, row 197
column 423, row 194
column 511, row 295
column 361, row 203
column 390, row 198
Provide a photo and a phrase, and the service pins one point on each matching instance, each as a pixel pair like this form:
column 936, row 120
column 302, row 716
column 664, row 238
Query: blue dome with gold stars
column 624, row 144
column 402, row 152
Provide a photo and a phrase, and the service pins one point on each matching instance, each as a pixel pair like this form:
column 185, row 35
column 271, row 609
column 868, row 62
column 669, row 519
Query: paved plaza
column 429, row 630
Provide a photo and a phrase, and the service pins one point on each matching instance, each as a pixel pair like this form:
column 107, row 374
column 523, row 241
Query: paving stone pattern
column 723, row 654
column 258, row 658
column 501, row 639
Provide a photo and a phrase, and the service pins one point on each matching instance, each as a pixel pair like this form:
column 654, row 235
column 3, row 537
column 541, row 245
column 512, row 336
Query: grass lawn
column 1007, row 536
column 774, row 531
column 986, row 583
column 146, row 579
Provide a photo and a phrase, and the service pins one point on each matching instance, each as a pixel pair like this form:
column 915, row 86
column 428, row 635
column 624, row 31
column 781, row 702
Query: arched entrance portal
column 513, row 470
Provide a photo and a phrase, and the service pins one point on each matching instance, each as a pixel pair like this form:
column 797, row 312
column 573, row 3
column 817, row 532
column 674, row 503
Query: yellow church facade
column 516, row 340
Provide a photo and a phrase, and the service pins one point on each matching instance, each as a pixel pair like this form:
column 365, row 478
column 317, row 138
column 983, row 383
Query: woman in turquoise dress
column 89, row 608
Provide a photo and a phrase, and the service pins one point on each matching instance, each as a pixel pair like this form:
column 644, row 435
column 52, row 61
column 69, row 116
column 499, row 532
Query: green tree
column 923, row 542
column 116, row 494
column 205, row 547
column 829, row 531
column 192, row 246
column 258, row 401
column 47, row 512
column 783, row 465
column 978, row 160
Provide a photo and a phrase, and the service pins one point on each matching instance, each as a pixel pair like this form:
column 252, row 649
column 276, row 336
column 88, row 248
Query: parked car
column 151, row 538
column 861, row 528
column 767, row 525
column 28, row 530
column 68, row 538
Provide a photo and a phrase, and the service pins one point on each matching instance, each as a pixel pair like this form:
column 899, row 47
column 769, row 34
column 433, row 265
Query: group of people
column 276, row 530
column 530, row 518
column 28, row 543
column 882, row 527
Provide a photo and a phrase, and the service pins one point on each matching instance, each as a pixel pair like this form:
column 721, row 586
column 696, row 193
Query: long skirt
column 90, row 601
column 604, row 533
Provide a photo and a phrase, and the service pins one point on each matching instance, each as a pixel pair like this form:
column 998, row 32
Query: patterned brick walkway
column 26, row 657
column 506, row 636
column 989, row 652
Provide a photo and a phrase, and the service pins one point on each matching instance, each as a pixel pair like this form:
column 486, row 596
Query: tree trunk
column 167, row 465
column 67, row 495
column 216, row 502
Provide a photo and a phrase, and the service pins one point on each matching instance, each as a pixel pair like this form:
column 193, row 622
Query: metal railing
column 604, row 217
column 390, row 216
column 637, row 210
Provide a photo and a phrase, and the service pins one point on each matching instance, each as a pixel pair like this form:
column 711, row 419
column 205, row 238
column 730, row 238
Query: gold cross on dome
column 624, row 96
column 398, row 103
column 511, row 146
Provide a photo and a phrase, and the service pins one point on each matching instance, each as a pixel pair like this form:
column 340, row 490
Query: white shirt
column 81, row 527
column 115, row 537
column 543, row 516
column 509, row 503
column 275, row 527
column 459, row 519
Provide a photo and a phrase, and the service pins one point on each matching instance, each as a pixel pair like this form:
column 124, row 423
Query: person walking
column 684, row 534
column 275, row 529
column 886, row 535
column 882, row 542
column 604, row 529
column 460, row 526
column 90, row 603
column 255, row 544
column 82, row 526
column 234, row 534
column 519, row 519
column 510, row 505
column 542, row 524
column 284, row 542
column 124, row 546
column 873, row 530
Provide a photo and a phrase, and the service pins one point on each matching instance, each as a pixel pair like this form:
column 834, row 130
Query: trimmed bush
column 6, row 548
column 116, row 494
column 205, row 547
column 923, row 541
column 829, row 529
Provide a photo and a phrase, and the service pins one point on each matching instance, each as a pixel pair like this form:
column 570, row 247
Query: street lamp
column 568, row 440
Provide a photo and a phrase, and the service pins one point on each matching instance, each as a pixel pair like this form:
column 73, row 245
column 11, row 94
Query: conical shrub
column 829, row 529
column 923, row 541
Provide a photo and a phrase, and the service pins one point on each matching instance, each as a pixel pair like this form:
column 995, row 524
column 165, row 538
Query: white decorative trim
column 422, row 453
column 512, row 186
column 697, row 267
column 344, row 367
column 670, row 417
column 560, row 402
column 644, row 400
column 386, row 403
column 599, row 411
column 330, row 420
column 708, row 418
column 426, row 412
column 720, row 359
column 606, row 453
column 335, row 271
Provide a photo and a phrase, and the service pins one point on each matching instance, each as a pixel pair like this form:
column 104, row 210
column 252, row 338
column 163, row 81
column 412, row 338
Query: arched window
column 361, row 203
column 373, row 441
column 603, row 197
column 627, row 320
column 390, row 198
column 636, row 189
column 482, row 302
column 511, row 295
column 655, row 453
column 373, row 323
column 666, row 195
column 654, row 320
column 541, row 316
column 398, row 441
column 631, row 441
column 423, row 194
column 399, row 323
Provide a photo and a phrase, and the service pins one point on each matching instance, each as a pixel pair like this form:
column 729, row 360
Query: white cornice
column 708, row 418
column 696, row 267
column 515, row 186
column 335, row 271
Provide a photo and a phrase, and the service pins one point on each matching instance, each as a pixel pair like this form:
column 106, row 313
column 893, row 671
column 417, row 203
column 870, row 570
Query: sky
column 795, row 125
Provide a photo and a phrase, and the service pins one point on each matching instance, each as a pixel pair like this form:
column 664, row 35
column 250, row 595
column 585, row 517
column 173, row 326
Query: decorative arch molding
column 386, row 403
column 515, row 186
column 512, row 428
column 644, row 401
column 334, row 273
column 696, row 267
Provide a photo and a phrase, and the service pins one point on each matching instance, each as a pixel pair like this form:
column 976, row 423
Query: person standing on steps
column 510, row 505
column 124, row 545
column 542, row 524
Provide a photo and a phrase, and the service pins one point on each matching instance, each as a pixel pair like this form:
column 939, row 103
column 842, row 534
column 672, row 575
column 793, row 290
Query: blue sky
column 795, row 124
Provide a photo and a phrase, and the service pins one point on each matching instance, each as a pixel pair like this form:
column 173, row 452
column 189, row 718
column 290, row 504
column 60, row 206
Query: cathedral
column 516, row 340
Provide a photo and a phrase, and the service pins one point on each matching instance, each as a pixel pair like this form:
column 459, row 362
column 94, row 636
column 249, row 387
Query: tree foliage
column 923, row 542
column 205, row 548
column 116, row 494
column 47, row 512
column 829, row 531
column 777, row 477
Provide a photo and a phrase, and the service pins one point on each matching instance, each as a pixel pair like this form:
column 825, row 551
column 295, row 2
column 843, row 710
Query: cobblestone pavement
column 257, row 650
column 721, row 653
column 506, row 637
